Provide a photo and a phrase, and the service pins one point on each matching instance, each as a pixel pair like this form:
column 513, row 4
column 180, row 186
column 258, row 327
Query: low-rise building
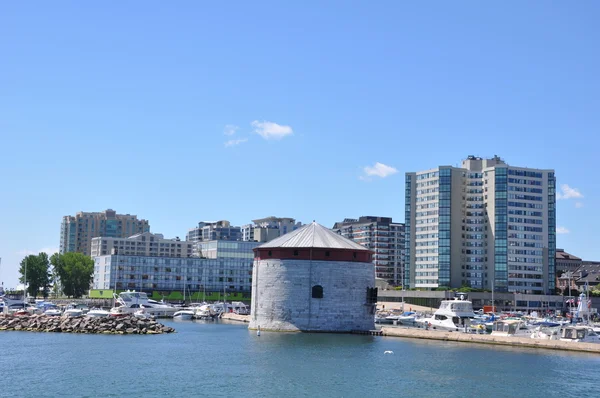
column 566, row 261
column 144, row 244
column 229, row 269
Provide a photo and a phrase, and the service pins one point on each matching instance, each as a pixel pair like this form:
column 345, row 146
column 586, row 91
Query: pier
column 414, row 333
column 230, row 316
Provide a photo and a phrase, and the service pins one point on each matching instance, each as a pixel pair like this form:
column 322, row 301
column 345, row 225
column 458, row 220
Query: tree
column 35, row 269
column 75, row 272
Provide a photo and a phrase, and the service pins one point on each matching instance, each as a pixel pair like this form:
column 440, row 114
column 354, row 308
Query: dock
column 517, row 342
column 230, row 316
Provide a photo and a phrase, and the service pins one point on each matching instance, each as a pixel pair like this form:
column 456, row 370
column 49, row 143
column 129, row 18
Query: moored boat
column 97, row 313
column 579, row 334
column 183, row 315
column 453, row 315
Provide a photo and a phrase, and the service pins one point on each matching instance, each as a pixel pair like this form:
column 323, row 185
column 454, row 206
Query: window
column 317, row 291
column 327, row 254
column 295, row 252
column 371, row 295
column 353, row 254
column 270, row 253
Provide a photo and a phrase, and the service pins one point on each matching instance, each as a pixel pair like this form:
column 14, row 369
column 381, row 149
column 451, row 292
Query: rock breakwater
column 83, row 324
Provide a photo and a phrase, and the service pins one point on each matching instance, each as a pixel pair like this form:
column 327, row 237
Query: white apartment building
column 486, row 225
column 145, row 244
column 384, row 237
column 266, row 229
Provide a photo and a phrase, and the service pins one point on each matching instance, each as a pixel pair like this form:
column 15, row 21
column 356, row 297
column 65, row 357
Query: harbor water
column 224, row 359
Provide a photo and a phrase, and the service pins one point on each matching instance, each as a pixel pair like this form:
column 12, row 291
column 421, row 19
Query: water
column 220, row 359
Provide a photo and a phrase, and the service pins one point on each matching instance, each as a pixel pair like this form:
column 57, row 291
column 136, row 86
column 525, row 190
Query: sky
column 311, row 110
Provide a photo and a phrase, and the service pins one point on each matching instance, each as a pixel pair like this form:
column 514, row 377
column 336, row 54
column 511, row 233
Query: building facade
column 566, row 261
column 214, row 230
column 229, row 270
column 313, row 279
column 266, row 229
column 77, row 232
column 486, row 225
column 384, row 237
column 144, row 244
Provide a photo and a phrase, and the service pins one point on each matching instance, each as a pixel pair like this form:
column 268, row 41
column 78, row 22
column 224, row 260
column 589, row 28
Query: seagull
column 388, row 352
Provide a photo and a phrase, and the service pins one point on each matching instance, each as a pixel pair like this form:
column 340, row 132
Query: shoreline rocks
column 83, row 324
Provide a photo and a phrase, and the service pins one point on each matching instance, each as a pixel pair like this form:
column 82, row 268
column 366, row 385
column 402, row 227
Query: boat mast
column 25, row 285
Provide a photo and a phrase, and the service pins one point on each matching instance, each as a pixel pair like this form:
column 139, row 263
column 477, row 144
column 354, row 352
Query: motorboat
column 97, row 313
column 143, row 314
column 579, row 334
column 129, row 302
column 184, row 315
column 51, row 310
column 236, row 307
column 511, row 328
column 407, row 318
column 453, row 315
column 72, row 312
column 205, row 312
column 546, row 331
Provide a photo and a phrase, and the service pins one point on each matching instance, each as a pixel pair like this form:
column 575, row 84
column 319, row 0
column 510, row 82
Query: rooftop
column 314, row 235
column 563, row 255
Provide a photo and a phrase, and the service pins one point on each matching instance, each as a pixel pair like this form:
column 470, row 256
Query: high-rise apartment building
column 266, row 229
column 77, row 232
column 486, row 225
column 145, row 244
column 384, row 237
column 214, row 230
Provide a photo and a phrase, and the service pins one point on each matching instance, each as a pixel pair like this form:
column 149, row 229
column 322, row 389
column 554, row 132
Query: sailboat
column 184, row 314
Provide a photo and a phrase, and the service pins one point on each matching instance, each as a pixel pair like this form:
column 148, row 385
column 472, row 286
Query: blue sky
column 126, row 105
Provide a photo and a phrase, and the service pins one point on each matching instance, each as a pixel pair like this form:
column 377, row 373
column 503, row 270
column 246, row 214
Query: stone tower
column 313, row 280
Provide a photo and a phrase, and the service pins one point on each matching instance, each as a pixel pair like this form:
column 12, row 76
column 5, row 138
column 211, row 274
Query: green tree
column 36, row 270
column 75, row 272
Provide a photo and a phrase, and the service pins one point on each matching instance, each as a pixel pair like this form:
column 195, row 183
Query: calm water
column 206, row 359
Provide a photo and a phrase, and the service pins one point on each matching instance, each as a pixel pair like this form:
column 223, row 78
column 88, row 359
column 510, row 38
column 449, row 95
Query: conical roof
column 314, row 235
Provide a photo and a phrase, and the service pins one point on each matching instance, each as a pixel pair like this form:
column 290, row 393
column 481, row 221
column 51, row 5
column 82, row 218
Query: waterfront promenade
column 414, row 333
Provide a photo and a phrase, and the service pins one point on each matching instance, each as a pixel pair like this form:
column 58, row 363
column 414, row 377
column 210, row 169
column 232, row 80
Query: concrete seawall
column 488, row 339
column 236, row 317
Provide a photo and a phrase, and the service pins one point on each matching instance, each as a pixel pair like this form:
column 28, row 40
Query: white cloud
column 568, row 193
column 579, row 205
column 270, row 130
column 378, row 170
column 235, row 142
column 230, row 129
column 562, row 230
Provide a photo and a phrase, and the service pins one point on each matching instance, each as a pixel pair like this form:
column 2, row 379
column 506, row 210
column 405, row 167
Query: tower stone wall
column 282, row 295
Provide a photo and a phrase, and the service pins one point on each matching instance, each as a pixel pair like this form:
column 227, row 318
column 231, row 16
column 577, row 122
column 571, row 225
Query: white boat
column 71, row 312
column 546, row 331
column 97, row 313
column 52, row 310
column 183, row 315
column 129, row 302
column 407, row 318
column 143, row 314
column 579, row 334
column 453, row 315
column 205, row 312
column 511, row 328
